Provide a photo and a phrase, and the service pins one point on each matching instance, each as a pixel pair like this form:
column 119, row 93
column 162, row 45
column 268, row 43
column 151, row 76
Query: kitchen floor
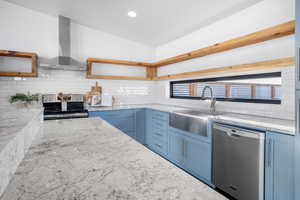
column 85, row 159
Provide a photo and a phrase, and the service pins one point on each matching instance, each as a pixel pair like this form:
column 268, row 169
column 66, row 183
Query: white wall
column 26, row 30
column 87, row 42
column 259, row 16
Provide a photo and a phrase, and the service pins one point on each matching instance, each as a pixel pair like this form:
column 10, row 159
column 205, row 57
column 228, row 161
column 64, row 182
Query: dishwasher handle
column 232, row 131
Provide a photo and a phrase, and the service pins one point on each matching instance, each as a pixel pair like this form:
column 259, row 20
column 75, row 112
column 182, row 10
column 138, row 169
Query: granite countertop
column 265, row 123
column 13, row 120
column 260, row 122
column 87, row 159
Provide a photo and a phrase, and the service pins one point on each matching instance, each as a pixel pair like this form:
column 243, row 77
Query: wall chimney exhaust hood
column 63, row 61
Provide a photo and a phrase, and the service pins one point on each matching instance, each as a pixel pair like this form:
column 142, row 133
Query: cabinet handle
column 158, row 124
column 182, row 147
column 159, row 134
column 270, row 148
column 185, row 149
column 158, row 145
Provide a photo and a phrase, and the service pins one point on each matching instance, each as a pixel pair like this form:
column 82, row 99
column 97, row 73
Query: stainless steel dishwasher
column 238, row 162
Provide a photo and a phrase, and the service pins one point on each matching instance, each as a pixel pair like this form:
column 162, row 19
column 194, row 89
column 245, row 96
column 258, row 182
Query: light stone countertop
column 88, row 159
column 13, row 120
column 252, row 121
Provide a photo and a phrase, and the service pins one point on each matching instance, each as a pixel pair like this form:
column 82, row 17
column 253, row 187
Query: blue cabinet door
column 176, row 148
column 140, row 125
column 197, row 158
column 279, row 167
column 125, row 124
column 297, row 166
column 124, row 120
column 93, row 114
column 191, row 154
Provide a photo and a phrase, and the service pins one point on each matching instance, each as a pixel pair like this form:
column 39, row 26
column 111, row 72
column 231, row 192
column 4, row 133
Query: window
column 255, row 88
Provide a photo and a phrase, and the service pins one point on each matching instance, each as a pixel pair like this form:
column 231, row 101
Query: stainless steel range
column 71, row 107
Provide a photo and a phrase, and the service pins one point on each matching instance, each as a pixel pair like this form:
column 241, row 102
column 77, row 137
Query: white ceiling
column 157, row 21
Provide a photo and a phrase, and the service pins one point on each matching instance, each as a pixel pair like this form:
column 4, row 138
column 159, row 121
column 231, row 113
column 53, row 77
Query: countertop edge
column 170, row 108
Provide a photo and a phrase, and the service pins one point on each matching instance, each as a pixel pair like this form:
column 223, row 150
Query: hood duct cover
column 63, row 61
column 64, row 39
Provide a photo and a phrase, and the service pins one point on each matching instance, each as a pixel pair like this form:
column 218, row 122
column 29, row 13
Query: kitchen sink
column 191, row 121
column 197, row 113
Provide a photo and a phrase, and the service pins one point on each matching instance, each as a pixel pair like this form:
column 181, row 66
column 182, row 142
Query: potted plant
column 25, row 99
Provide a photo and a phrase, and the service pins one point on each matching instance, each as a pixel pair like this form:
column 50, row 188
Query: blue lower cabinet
column 148, row 126
column 124, row 120
column 140, row 125
column 191, row 154
column 159, row 146
column 176, row 148
column 157, row 124
column 297, row 166
column 197, row 157
column 279, row 167
column 94, row 114
column 131, row 134
column 124, row 124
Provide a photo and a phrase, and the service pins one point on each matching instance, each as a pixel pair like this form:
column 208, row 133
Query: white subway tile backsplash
column 54, row 81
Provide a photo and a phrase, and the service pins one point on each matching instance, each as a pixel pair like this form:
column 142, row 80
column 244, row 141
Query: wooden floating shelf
column 119, row 62
column 274, row 32
column 269, row 64
column 32, row 56
column 271, row 33
column 151, row 72
column 119, row 77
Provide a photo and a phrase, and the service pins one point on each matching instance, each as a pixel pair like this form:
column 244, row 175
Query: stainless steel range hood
column 63, row 61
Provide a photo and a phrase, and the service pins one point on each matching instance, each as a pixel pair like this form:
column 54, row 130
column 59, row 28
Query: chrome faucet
column 212, row 98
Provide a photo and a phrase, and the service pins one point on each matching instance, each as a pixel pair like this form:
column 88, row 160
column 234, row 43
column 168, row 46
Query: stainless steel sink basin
column 192, row 121
column 197, row 113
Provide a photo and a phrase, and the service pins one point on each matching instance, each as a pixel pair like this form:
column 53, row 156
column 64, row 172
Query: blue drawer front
column 160, row 134
column 162, row 125
column 157, row 131
column 161, row 147
column 160, row 116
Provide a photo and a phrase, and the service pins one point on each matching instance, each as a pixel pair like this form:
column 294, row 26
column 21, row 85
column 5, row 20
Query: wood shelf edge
column 119, row 62
column 34, row 65
column 268, row 64
column 136, row 78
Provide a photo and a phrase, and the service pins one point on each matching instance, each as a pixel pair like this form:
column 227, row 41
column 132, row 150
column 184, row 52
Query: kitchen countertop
column 253, row 121
column 13, row 120
column 85, row 159
column 265, row 123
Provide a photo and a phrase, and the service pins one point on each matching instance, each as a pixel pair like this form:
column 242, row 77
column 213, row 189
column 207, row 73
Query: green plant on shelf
column 24, row 98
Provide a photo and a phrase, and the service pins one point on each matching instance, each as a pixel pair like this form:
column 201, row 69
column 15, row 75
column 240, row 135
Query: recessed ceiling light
column 131, row 14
